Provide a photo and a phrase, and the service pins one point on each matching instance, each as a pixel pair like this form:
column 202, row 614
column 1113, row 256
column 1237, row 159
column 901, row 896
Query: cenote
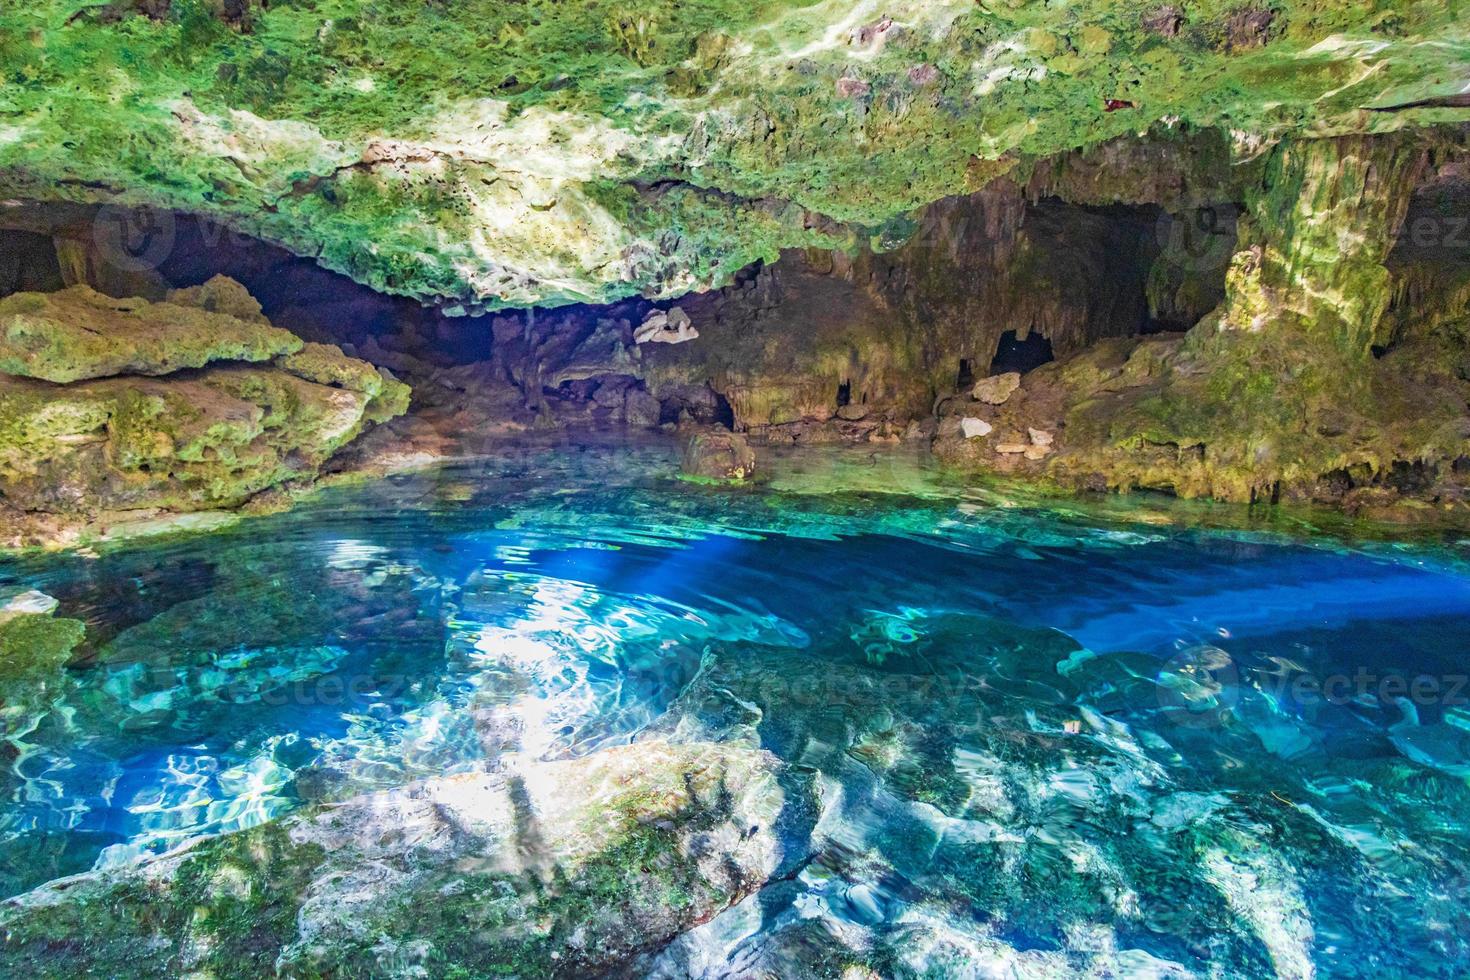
column 762, row 490
column 916, row 732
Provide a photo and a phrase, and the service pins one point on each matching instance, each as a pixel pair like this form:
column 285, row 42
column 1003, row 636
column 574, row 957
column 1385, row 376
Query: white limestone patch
column 268, row 150
column 528, row 225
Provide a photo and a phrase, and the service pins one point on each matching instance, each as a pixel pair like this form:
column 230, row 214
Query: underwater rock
column 546, row 869
column 34, row 647
column 716, row 454
column 78, row 333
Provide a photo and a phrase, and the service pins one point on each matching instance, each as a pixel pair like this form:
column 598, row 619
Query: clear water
column 1042, row 737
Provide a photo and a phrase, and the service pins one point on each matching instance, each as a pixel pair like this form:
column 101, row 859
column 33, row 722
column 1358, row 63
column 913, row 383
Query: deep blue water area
column 1216, row 750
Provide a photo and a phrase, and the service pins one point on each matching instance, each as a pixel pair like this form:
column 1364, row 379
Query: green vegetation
column 491, row 153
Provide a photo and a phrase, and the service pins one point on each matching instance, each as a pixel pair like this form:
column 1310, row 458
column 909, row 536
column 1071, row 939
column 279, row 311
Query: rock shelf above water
column 126, row 405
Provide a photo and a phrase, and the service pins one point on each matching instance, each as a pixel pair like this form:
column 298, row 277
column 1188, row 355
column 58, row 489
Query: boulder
column 641, row 409
column 998, row 388
column 93, row 417
column 717, row 454
column 78, row 334
column 221, row 294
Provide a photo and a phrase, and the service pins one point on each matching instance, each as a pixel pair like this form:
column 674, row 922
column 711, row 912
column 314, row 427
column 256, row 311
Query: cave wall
column 1129, row 237
column 1199, row 314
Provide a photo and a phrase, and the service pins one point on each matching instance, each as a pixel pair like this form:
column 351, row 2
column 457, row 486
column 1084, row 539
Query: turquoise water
column 1039, row 734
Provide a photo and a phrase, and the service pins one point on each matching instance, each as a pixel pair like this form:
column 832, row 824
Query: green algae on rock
column 35, row 645
column 547, row 869
column 555, row 152
column 124, row 405
column 78, row 333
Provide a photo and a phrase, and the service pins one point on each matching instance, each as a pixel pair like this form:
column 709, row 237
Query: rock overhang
column 480, row 156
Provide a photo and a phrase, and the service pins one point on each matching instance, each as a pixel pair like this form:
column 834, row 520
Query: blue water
column 1047, row 739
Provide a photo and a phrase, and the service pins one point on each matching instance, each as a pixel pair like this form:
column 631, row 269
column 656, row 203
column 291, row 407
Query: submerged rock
column 715, row 454
column 549, row 869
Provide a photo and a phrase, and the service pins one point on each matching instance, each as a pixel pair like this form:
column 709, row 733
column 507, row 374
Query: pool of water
column 1039, row 732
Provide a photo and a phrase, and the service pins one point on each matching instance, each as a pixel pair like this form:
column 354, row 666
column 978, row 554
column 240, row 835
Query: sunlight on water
column 1033, row 732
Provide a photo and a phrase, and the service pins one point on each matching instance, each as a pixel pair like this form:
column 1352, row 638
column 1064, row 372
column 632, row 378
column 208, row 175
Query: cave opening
column 844, row 394
column 966, row 374
column 1013, row 354
column 28, row 263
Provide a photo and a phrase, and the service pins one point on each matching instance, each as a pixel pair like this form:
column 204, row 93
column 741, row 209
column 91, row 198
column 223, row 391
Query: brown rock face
column 718, row 455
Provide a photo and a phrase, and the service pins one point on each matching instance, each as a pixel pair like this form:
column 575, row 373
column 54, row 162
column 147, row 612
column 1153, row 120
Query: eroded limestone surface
column 485, row 154
column 130, row 406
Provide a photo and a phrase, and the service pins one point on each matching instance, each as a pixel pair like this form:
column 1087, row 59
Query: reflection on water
column 1037, row 736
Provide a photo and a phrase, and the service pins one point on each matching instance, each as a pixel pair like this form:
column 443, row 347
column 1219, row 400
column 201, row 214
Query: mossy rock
column 78, row 334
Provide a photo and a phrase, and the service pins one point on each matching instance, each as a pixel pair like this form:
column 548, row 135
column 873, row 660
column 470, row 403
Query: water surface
column 1045, row 738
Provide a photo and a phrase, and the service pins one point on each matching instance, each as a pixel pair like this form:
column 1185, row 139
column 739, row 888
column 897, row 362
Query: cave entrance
column 1012, row 354
column 28, row 263
column 966, row 375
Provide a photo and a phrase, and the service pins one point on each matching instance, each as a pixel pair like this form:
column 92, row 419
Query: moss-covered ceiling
column 483, row 153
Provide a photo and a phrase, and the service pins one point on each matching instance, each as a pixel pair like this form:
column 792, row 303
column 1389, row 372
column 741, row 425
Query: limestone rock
column 327, row 365
column 78, row 333
column 1011, row 448
column 673, row 327
column 592, row 184
column 973, row 428
column 641, row 409
column 221, row 294
column 567, row 868
column 716, row 454
column 209, row 441
column 29, row 603
column 1040, row 437
column 94, row 419
column 997, row 389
